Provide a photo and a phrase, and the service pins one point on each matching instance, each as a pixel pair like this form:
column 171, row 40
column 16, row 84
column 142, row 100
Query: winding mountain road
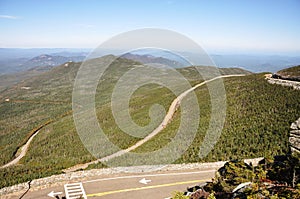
column 23, row 152
column 172, row 109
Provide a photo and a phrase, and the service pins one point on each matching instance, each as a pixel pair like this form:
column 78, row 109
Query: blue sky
column 219, row 26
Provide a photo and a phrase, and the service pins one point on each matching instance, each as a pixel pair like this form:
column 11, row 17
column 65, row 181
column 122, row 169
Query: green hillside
column 295, row 71
column 292, row 73
column 257, row 123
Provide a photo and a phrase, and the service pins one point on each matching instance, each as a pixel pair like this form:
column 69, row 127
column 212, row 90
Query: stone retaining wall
column 294, row 138
column 60, row 180
column 294, row 84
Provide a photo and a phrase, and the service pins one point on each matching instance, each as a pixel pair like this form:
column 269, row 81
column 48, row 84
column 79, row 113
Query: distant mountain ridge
column 49, row 60
column 48, row 97
column 292, row 73
column 14, row 60
column 25, row 69
column 150, row 59
column 256, row 63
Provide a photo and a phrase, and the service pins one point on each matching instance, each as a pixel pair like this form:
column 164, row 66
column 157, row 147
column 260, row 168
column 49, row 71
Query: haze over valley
column 152, row 100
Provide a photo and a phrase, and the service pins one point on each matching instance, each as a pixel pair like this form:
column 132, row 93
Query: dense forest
column 258, row 116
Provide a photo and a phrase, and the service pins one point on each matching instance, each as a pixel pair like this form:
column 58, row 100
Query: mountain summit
column 49, row 60
column 150, row 59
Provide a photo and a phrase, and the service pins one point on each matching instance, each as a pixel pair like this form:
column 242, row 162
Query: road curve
column 24, row 150
column 174, row 105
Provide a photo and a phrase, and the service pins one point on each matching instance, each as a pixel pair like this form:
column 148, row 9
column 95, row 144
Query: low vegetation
column 275, row 178
column 258, row 118
column 292, row 73
column 257, row 121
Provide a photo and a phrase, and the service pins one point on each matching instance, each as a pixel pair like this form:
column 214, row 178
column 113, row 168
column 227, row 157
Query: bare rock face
column 199, row 194
column 295, row 137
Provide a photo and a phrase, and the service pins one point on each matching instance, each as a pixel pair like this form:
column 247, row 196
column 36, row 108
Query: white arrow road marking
column 52, row 194
column 144, row 181
column 150, row 175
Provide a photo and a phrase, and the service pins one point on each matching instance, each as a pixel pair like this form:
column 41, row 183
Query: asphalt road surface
column 154, row 185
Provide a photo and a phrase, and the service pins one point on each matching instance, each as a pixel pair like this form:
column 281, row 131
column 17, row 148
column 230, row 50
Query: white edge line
column 150, row 175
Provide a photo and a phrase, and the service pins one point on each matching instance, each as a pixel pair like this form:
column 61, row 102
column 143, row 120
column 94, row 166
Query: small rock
column 200, row 193
column 294, row 126
column 294, row 150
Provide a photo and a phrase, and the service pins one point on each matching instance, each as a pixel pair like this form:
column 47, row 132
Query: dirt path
column 175, row 104
column 24, row 150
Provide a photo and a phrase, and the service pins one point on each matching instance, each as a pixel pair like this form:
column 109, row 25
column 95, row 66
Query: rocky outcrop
column 295, row 137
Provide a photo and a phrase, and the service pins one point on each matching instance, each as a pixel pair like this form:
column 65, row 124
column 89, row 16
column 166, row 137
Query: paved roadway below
column 127, row 185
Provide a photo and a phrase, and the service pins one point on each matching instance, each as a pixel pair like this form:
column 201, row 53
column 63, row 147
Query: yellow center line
column 143, row 188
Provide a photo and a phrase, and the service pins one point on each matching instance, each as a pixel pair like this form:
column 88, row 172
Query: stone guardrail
column 60, row 180
column 294, row 138
column 294, row 84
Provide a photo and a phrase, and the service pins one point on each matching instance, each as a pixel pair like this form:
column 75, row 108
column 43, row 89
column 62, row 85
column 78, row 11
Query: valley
column 58, row 146
column 150, row 99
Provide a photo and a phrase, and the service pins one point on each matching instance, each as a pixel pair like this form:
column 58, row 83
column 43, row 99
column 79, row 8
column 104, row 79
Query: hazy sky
column 238, row 26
